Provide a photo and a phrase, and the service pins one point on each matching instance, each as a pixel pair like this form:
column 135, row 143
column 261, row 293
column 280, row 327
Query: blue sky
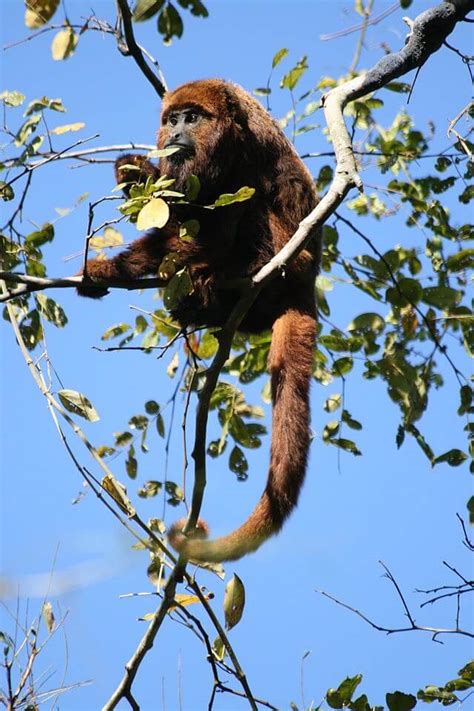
column 387, row 505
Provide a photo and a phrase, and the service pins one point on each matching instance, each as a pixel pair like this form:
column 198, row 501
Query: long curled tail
column 290, row 365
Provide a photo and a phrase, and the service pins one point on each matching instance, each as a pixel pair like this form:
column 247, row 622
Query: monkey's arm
column 142, row 257
column 138, row 174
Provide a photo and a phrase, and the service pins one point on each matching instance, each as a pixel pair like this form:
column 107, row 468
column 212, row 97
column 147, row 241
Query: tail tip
column 177, row 538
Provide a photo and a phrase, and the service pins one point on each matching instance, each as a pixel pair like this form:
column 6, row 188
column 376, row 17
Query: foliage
column 409, row 315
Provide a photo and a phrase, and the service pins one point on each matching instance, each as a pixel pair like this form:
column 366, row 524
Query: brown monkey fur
column 235, row 143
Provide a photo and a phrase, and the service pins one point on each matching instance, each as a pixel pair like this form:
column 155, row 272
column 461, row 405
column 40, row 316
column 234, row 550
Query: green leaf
column 42, row 236
column 170, row 23
column 347, row 688
column 435, row 693
column 330, row 430
column 152, row 407
column 196, row 7
column 241, row 195
column 131, row 464
column 208, row 345
column 343, row 366
column 26, row 129
column 7, row 640
column 6, row 191
column 78, row 404
column 367, row 322
column 44, row 103
column 398, row 87
column 400, row 438
column 281, row 54
column 291, row 79
column 466, row 395
column 454, row 457
column 398, row 701
column 248, row 435
column 51, row 310
column 411, row 290
column 150, row 489
column 118, row 330
column 160, row 425
column 347, row 444
column 178, row 288
column 338, row 343
column 461, row 260
column 340, row 697
column 138, row 422
column 219, row 649
column 333, row 699
column 238, row 463
column 349, row 421
column 443, row 297
column 122, row 438
column 189, row 230
column 192, row 187
column 105, row 451
column 174, row 492
column 423, row 444
column 144, row 9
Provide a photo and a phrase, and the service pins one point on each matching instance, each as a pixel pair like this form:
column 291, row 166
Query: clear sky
column 387, row 505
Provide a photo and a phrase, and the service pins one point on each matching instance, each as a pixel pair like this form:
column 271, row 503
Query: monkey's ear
column 142, row 168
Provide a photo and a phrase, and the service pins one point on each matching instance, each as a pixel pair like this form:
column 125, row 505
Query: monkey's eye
column 192, row 117
column 173, row 120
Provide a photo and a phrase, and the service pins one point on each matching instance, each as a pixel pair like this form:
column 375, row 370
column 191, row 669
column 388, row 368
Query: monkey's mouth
column 184, row 151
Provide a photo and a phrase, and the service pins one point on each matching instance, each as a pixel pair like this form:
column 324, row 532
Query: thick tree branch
column 30, row 284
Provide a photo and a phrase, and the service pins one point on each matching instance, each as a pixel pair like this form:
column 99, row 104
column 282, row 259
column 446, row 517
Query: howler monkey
column 228, row 141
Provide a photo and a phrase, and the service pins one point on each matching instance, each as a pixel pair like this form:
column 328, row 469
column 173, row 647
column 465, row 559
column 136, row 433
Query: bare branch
column 67, row 153
column 157, row 83
column 31, row 284
column 413, row 626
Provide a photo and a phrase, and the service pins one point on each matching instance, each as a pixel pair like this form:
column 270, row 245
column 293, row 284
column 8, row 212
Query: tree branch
column 157, row 83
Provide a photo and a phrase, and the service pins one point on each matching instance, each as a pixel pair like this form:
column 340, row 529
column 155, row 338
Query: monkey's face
column 196, row 120
column 179, row 128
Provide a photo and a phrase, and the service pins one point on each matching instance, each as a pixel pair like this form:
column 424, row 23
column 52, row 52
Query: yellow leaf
column 184, row 600
column 48, row 616
column 119, row 494
column 110, row 238
column 69, row 127
column 39, row 12
column 234, row 601
column 219, row 649
column 155, row 214
column 64, row 44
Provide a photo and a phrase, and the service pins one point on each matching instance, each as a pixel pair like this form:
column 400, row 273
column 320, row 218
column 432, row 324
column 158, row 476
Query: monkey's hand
column 96, row 270
column 127, row 175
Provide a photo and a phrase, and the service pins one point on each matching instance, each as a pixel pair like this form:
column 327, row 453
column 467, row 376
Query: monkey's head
column 208, row 124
